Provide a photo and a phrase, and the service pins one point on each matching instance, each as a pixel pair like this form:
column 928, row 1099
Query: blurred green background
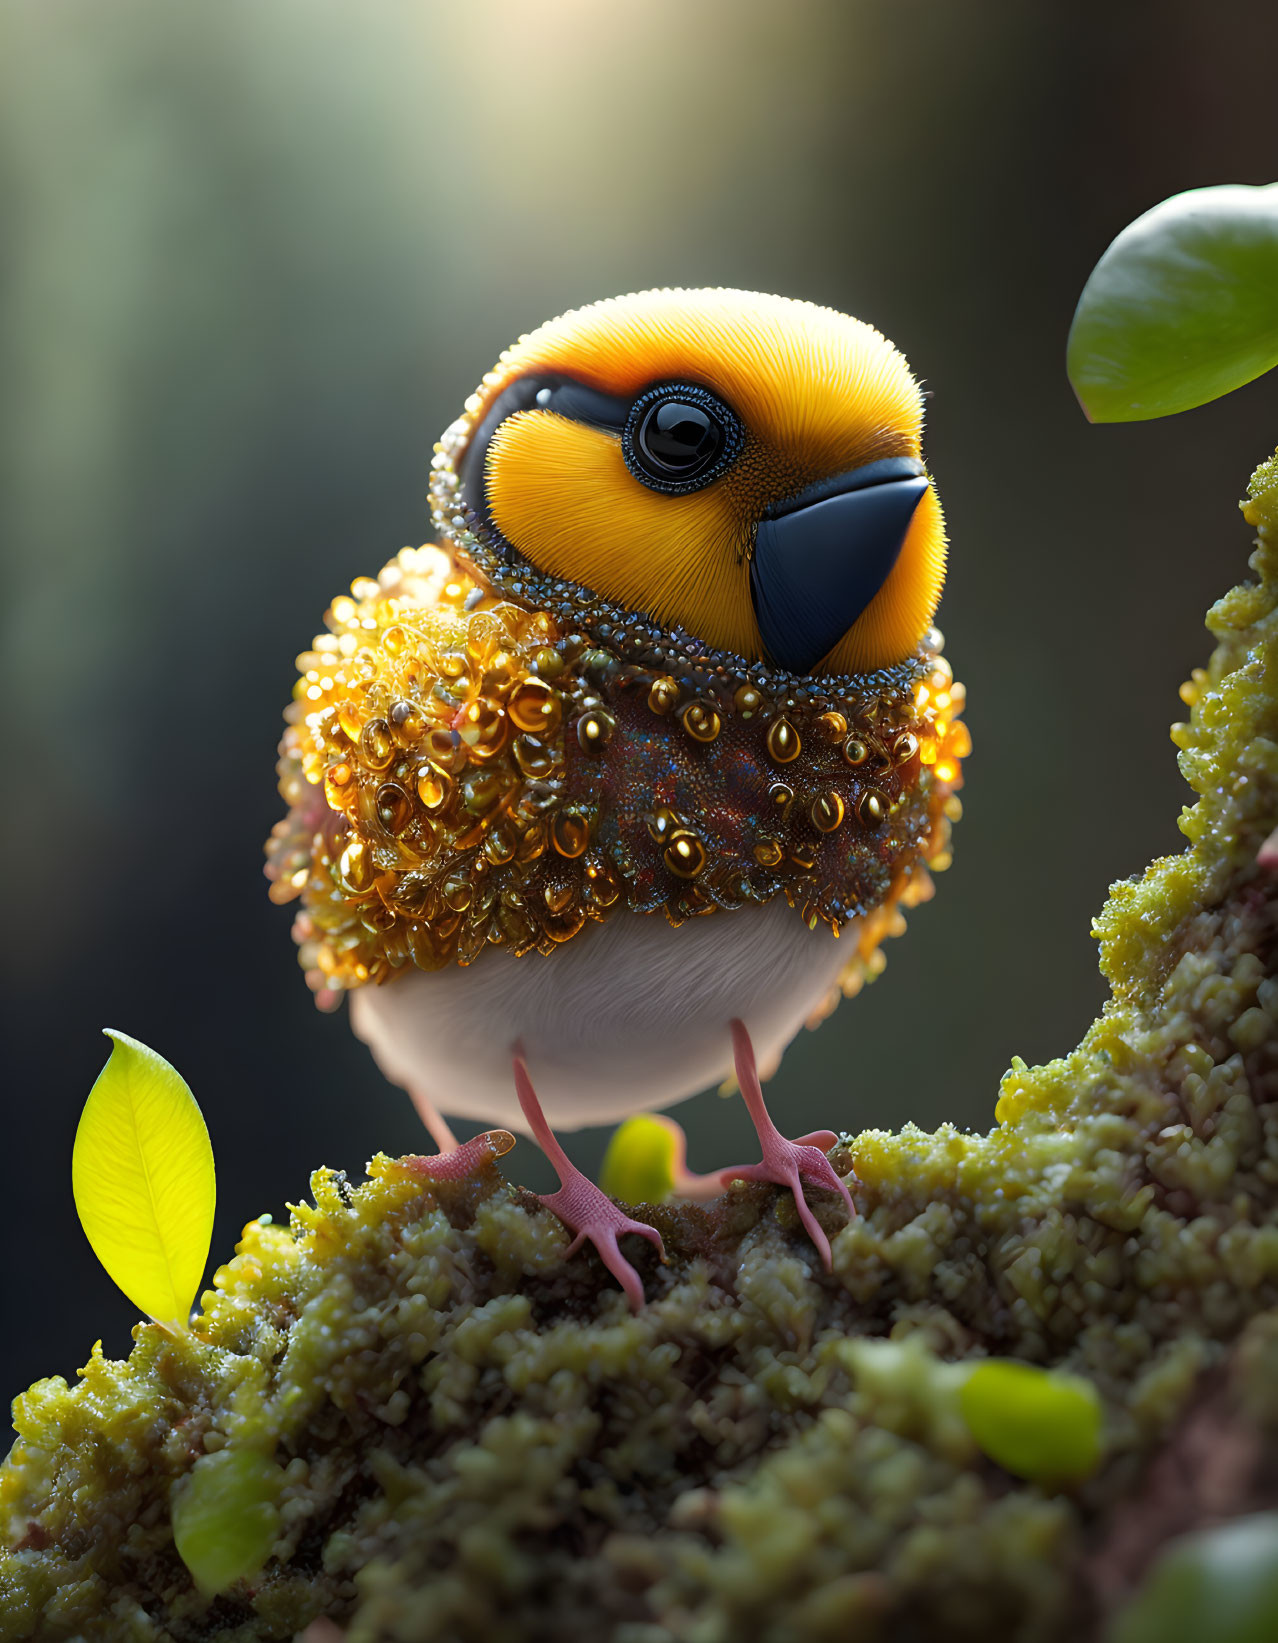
column 256, row 254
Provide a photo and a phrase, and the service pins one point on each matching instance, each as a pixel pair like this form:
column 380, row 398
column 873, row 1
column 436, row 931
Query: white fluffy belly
column 631, row 1015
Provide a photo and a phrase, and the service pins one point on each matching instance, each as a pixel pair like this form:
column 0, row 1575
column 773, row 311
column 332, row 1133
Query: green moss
column 475, row 1439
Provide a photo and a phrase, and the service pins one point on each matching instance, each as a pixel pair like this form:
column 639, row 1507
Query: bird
column 597, row 797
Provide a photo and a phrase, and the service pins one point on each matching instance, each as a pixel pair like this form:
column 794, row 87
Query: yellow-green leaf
column 142, row 1174
column 226, row 1517
column 639, row 1164
column 1039, row 1424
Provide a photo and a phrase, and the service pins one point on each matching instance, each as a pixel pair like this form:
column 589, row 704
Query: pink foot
column 458, row 1162
column 785, row 1163
column 579, row 1203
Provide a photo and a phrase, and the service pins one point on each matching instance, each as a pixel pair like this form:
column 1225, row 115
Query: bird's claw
column 792, row 1164
column 785, row 1163
column 585, row 1209
column 595, row 1219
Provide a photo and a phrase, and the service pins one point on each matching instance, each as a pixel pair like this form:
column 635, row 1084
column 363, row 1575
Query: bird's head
column 745, row 467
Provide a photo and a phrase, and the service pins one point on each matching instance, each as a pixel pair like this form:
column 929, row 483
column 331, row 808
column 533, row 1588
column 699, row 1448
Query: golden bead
column 602, row 890
column 783, row 742
column 481, row 794
column 701, row 721
column 827, row 812
column 435, row 787
column 855, row 751
column 747, row 701
column 548, row 662
column 501, row 672
column 664, row 694
column 348, row 718
column 483, row 727
column 355, row 868
column 558, row 897
column 534, row 758
column 564, row 926
column 781, row 796
column 533, row 842
column 685, row 855
column 407, row 721
column 446, row 749
column 536, row 707
column 500, row 844
column 872, row 807
column 457, row 892
column 594, row 730
column 768, row 853
column 661, row 824
column 339, row 787
column 376, row 917
column 453, row 665
column 423, row 947
column 394, row 807
column 376, row 745
column 570, row 834
column 396, row 640
column 833, row 726
column 904, row 747
column 804, row 856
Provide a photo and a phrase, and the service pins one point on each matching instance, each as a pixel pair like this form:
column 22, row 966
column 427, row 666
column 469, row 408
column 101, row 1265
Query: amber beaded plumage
column 462, row 772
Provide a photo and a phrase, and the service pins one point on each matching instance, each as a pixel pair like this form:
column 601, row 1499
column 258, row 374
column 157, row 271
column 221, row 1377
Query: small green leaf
column 1037, row 1424
column 1218, row 1586
column 142, row 1175
column 639, row 1165
column 226, row 1517
column 1183, row 307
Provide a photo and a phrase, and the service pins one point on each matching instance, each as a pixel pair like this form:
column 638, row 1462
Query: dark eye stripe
column 563, row 395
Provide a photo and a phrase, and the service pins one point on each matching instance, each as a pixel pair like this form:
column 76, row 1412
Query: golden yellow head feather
column 817, row 395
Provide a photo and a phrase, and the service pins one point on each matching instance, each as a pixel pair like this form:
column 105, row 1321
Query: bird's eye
column 679, row 436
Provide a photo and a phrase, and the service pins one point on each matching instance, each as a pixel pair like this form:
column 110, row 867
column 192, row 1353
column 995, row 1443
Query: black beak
column 821, row 556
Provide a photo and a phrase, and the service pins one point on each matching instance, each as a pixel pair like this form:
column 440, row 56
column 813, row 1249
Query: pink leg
column 787, row 1163
column 579, row 1203
column 434, row 1121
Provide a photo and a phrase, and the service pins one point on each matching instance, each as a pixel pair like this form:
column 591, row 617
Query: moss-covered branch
column 409, row 1413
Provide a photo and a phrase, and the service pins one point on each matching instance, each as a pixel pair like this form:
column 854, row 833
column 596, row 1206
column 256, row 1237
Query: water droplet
column 872, row 807
column 355, row 868
column 685, row 855
column 570, row 833
column 701, row 721
column 663, row 695
column 376, row 744
column 500, row 844
column 536, row 707
column 827, row 812
column 747, row 701
column 534, row 758
column 594, row 731
column 783, row 742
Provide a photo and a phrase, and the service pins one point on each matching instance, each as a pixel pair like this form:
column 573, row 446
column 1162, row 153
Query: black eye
column 678, row 437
